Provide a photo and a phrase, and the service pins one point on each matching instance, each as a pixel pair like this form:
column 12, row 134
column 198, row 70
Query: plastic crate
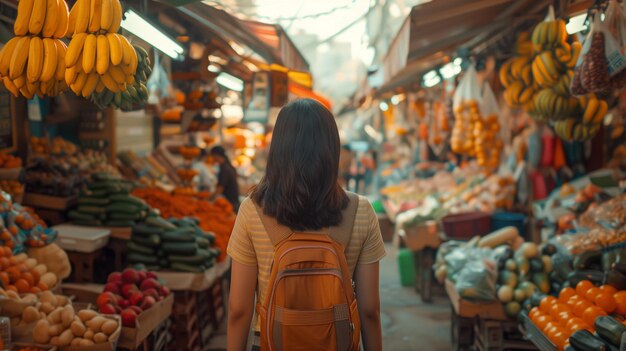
column 81, row 239
column 463, row 226
column 499, row 335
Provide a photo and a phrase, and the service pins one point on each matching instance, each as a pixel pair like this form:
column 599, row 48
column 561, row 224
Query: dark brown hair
column 300, row 186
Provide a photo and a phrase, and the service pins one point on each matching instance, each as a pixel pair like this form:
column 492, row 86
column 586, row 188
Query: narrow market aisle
column 408, row 323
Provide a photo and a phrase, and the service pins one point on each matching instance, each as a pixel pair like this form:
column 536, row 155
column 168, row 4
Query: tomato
column 583, row 286
column 566, row 294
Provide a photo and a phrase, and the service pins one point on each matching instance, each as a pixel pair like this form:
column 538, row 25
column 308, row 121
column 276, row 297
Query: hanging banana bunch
column 33, row 62
column 97, row 57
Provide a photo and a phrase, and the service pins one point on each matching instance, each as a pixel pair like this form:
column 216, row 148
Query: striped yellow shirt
column 250, row 245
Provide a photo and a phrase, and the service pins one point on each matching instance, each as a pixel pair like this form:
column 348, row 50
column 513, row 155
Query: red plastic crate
column 466, row 225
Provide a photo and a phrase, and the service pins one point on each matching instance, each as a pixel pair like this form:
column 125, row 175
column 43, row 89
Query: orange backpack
column 310, row 303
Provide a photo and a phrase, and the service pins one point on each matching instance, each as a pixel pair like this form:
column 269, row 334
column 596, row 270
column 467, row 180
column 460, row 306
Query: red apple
column 128, row 318
column 149, row 284
column 107, row 308
column 114, row 277
column 165, row 291
column 151, row 292
column 106, row 298
column 123, row 303
column 151, row 275
column 130, row 276
column 128, row 289
column 142, row 275
column 112, row 287
column 118, row 309
column 137, row 309
column 136, row 298
column 148, row 302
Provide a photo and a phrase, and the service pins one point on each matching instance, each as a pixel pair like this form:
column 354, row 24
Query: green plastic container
column 406, row 267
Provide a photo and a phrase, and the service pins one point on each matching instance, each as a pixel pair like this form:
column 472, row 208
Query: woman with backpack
column 304, row 248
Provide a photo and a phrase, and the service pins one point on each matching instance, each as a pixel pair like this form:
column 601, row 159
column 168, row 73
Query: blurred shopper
column 227, row 184
column 336, row 236
column 345, row 160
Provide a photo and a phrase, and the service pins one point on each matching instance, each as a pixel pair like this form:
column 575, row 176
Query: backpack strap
column 341, row 233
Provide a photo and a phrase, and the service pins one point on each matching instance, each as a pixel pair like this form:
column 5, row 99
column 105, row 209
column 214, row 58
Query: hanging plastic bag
column 592, row 70
column 466, row 105
column 616, row 23
column 488, row 143
column 477, row 280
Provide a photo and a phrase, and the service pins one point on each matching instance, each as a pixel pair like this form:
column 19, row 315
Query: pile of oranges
column 22, row 274
column 576, row 309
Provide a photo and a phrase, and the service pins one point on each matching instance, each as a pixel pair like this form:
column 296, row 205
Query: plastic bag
column 477, row 280
column 616, row 23
column 460, row 256
column 466, row 105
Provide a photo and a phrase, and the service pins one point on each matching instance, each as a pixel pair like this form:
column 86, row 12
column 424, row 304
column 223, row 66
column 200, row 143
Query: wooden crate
column 499, row 335
column 491, row 310
column 185, row 328
column 461, row 332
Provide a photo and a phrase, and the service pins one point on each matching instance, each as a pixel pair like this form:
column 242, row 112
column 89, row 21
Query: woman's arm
column 240, row 305
column 368, row 301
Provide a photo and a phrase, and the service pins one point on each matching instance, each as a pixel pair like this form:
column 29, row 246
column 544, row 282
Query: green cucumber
column 91, row 210
column 123, row 207
column 173, row 248
column 160, row 223
column 135, row 257
column 88, row 222
column 126, row 216
column 144, row 230
column 151, row 241
column 179, row 235
column 119, row 223
column 79, row 215
column 203, row 243
column 210, row 236
column 128, row 199
column 132, row 246
column 583, row 340
column 105, row 184
column 610, row 329
column 177, row 266
column 93, row 201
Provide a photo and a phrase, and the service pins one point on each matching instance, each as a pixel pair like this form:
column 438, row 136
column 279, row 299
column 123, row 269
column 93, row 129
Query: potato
column 41, row 269
column 86, row 342
column 67, row 315
column 96, row 323
column 109, row 327
column 29, row 298
column 50, row 279
column 66, row 338
column 100, row 338
column 42, row 315
column 30, row 314
column 55, row 330
column 76, row 342
column 14, row 295
column 31, row 263
column 47, row 308
column 62, row 300
column 55, row 316
column 78, row 328
column 49, row 297
column 55, row 341
column 86, row 315
column 88, row 335
column 40, row 332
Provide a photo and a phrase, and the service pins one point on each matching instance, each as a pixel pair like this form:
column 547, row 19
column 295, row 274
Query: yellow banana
column 601, row 112
column 117, row 16
column 133, row 62
column 20, row 81
column 19, row 57
column 62, row 25
column 35, row 59
column 503, row 73
column 95, row 15
column 107, row 15
column 82, row 16
column 536, row 37
column 130, row 79
column 11, row 87
column 118, row 75
column 6, row 55
column 527, row 94
column 89, row 53
column 527, row 75
column 71, row 21
column 79, row 83
column 518, row 64
column 576, row 49
column 50, row 57
column 115, row 48
column 24, row 10
column 71, row 73
column 52, row 18
column 37, row 17
column 128, row 50
column 102, row 59
column 75, row 49
column 109, row 83
column 549, row 64
column 32, row 87
column 24, row 91
column 562, row 31
column 591, row 110
column 60, row 70
column 90, row 84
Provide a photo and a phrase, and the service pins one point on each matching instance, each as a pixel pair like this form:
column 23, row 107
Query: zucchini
column 144, row 230
column 126, row 216
column 596, row 277
column 79, row 215
column 616, row 279
column 120, row 223
column 178, row 266
column 610, row 329
column 132, row 246
column 135, row 257
column 150, row 241
column 172, row 248
column 88, row 222
column 154, row 212
column 93, row 201
column 103, row 185
column 123, row 207
column 203, row 243
column 583, row 340
column 160, row 223
column 91, row 210
column 210, row 236
column 128, row 199
column 94, row 193
column 179, row 237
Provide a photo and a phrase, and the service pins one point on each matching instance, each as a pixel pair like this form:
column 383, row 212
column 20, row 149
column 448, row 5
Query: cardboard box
column 469, row 309
column 82, row 293
column 178, row 281
column 147, row 322
column 49, row 202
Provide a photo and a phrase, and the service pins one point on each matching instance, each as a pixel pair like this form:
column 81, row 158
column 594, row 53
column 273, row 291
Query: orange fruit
column 557, row 309
column 534, row 313
column 566, row 294
column 29, row 278
column 14, row 273
column 22, row 286
column 36, row 276
column 574, row 299
column 542, row 321
column 4, row 277
column 591, row 313
column 35, row 290
column 4, row 262
column 581, row 306
column 564, row 317
column 559, row 339
column 11, row 287
column 592, row 293
column 620, row 299
column 608, row 289
column 43, row 286
column 546, row 304
column 606, row 301
column 583, row 286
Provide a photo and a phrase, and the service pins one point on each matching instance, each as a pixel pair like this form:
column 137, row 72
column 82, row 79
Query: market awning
column 283, row 48
column 435, row 29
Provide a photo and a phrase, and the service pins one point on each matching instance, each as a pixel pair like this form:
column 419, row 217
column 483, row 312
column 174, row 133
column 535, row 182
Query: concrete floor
column 407, row 323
